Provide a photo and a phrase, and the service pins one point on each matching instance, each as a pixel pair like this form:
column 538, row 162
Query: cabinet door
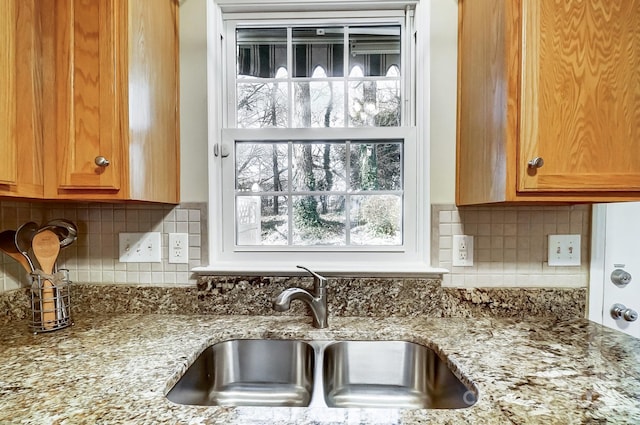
column 153, row 121
column 7, row 93
column 87, row 109
column 20, row 100
column 580, row 95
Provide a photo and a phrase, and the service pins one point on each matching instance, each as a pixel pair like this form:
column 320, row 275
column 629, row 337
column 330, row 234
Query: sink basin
column 390, row 374
column 249, row 373
column 387, row 374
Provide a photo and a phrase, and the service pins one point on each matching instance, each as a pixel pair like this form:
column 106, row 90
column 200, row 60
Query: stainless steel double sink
column 294, row 373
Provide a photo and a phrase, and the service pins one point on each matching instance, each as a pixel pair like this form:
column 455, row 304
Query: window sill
column 421, row 270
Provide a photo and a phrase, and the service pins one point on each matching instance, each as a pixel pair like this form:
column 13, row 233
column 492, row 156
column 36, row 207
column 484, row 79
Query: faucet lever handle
column 321, row 280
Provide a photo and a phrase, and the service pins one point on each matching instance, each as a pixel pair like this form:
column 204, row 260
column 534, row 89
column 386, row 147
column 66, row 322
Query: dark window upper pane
column 374, row 50
column 262, row 52
column 318, row 48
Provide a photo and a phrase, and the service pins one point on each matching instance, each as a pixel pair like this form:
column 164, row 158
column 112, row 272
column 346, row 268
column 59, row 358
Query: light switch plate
column 140, row 247
column 564, row 250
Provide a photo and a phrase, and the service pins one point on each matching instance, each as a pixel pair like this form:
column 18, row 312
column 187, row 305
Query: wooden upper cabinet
column 548, row 101
column 20, row 100
column 581, row 105
column 115, row 131
column 86, row 103
column 7, row 93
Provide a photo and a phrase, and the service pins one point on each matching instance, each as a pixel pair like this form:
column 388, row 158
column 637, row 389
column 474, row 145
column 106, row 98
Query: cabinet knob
column 619, row 311
column 536, row 162
column 101, row 161
column 620, row 277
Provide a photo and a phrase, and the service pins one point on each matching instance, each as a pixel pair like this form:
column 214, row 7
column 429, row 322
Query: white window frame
column 413, row 258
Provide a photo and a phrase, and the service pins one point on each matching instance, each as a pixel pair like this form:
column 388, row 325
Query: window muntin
column 342, row 76
column 338, row 81
column 319, row 193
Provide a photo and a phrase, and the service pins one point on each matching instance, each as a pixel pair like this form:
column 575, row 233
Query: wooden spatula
column 8, row 246
column 46, row 247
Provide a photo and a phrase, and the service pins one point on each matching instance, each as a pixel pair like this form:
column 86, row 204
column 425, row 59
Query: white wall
column 444, row 62
column 193, row 101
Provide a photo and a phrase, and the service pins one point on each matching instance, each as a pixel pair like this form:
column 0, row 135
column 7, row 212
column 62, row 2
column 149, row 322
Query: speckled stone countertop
column 117, row 369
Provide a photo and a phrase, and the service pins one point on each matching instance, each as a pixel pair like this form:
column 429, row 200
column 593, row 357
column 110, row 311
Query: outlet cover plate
column 179, row 248
column 564, row 250
column 462, row 251
column 140, row 247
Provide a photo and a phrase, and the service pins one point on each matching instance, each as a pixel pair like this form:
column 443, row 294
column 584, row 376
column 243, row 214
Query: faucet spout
column 283, row 301
column 317, row 302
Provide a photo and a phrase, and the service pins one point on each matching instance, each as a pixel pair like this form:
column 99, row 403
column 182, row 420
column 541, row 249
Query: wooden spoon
column 46, row 247
column 8, row 246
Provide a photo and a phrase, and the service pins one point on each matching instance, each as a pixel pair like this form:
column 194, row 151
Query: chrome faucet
column 317, row 301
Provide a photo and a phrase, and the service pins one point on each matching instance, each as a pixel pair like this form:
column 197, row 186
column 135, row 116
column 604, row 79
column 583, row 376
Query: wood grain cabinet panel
column 114, row 96
column 7, row 93
column 20, row 100
column 86, row 60
column 552, row 79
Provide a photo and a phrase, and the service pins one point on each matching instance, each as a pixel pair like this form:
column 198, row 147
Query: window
column 305, row 193
column 317, row 154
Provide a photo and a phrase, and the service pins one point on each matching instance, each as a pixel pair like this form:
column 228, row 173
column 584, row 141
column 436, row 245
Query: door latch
column 620, row 277
column 619, row 311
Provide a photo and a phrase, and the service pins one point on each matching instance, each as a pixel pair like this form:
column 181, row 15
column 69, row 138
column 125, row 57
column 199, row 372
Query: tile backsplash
column 510, row 248
column 510, row 244
column 94, row 256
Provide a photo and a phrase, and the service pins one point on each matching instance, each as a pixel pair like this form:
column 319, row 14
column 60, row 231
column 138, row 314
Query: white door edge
column 597, row 268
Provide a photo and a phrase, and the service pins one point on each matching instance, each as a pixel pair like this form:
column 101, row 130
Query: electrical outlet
column 564, row 250
column 179, row 248
column 140, row 247
column 462, row 252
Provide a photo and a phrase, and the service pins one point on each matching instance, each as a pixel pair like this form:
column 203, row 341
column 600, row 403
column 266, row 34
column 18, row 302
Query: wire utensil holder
column 50, row 301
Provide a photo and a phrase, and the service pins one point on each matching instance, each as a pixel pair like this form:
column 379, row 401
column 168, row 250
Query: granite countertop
column 118, row 368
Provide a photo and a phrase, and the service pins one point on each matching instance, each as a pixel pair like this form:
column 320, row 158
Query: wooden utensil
column 8, row 246
column 46, row 247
